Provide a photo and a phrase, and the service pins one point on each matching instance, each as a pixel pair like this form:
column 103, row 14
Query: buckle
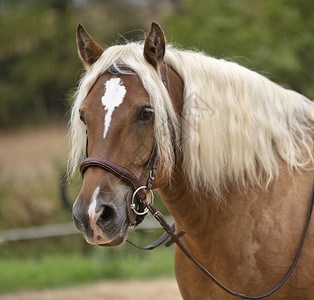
column 133, row 205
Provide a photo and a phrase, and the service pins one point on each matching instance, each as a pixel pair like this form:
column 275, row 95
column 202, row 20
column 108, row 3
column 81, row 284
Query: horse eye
column 82, row 118
column 145, row 115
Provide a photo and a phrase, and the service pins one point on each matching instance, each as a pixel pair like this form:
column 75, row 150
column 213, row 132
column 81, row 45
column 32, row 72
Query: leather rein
column 138, row 207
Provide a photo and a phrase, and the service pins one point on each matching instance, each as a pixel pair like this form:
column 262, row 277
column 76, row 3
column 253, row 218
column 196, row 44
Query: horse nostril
column 107, row 217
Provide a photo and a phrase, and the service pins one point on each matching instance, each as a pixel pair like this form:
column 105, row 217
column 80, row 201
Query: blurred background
column 39, row 70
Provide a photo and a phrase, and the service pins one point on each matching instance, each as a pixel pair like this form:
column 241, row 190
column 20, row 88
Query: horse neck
column 187, row 206
column 198, row 212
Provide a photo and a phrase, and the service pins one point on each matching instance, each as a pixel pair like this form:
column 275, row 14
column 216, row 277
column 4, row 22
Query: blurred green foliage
column 38, row 56
column 270, row 36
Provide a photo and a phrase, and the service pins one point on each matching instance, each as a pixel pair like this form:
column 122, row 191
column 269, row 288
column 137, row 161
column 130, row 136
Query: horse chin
column 117, row 240
column 112, row 244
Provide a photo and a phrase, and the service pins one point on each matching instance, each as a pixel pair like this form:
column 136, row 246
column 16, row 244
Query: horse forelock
column 235, row 123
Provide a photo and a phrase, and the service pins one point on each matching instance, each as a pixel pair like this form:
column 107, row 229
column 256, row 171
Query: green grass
column 61, row 270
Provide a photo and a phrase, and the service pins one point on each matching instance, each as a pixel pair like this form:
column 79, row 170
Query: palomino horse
column 234, row 168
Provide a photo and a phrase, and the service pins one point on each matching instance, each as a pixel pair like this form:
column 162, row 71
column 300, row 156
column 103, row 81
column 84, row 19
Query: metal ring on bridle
column 133, row 205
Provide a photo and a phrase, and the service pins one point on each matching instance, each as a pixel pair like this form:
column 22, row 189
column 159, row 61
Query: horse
column 234, row 168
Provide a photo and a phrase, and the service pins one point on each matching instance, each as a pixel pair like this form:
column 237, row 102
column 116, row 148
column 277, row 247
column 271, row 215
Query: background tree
column 38, row 56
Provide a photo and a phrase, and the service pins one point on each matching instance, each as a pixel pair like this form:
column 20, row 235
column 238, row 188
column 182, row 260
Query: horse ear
column 89, row 51
column 155, row 45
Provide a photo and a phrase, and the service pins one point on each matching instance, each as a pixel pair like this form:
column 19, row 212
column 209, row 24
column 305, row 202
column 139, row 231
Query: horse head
column 120, row 123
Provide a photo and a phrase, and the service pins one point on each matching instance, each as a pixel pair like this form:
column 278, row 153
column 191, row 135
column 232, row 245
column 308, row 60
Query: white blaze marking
column 112, row 98
column 93, row 203
column 93, row 216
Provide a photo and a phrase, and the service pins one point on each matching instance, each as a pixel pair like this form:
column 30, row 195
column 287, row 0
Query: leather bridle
column 139, row 205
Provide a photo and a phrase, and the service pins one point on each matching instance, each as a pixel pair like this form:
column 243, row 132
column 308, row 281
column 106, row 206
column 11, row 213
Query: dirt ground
column 165, row 289
column 32, row 151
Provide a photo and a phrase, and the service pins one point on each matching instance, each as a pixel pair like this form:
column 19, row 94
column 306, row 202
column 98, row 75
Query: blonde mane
column 235, row 122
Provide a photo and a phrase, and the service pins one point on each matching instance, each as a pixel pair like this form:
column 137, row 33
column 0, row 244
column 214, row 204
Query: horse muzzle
column 103, row 217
